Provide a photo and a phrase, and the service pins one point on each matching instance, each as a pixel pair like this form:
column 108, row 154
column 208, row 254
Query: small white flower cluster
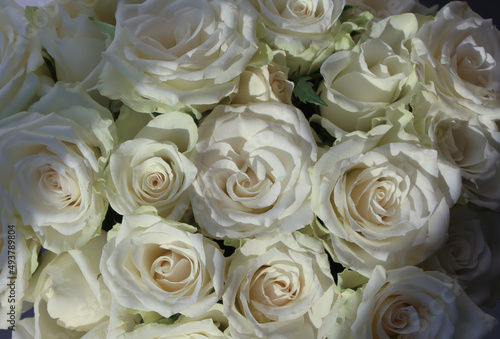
column 248, row 169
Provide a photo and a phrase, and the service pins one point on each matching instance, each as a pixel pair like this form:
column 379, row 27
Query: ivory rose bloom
column 360, row 84
column 68, row 292
column 253, row 170
column 145, row 172
column 175, row 53
column 52, row 158
column 305, row 30
column 21, row 56
column 159, row 265
column 411, row 302
column 466, row 140
column 278, row 287
column 460, row 53
column 383, row 204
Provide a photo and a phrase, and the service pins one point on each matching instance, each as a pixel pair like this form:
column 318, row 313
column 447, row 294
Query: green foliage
column 304, row 91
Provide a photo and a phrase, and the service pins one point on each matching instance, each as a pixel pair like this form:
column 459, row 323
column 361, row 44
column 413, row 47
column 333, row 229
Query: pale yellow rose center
column 374, row 199
column 154, row 179
column 272, row 286
column 57, row 187
column 172, row 271
column 400, row 318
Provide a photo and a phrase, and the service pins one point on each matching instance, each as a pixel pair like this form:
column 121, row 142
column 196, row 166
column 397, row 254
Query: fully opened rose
column 385, row 205
column 174, row 53
column 459, row 53
column 159, row 265
column 409, row 301
column 253, row 170
column 303, row 29
column 51, row 166
column 278, row 287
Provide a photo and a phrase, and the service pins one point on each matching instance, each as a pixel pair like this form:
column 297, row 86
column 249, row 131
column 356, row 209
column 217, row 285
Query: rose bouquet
column 248, row 169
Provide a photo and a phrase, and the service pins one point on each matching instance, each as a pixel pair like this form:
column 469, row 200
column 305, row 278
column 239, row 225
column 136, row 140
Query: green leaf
column 169, row 321
column 304, row 91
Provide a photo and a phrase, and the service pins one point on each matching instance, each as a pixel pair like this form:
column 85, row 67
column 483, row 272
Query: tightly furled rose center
column 252, row 163
column 374, row 196
column 156, row 179
column 297, row 9
column 58, row 187
column 273, row 286
column 400, row 317
column 173, row 271
column 254, row 188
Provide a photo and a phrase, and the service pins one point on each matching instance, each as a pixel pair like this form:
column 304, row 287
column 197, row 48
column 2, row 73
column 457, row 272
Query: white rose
column 265, row 83
column 75, row 45
column 278, row 287
column 460, row 53
column 384, row 205
column 159, row 265
column 196, row 329
column 18, row 252
column 51, row 163
column 303, row 29
column 411, row 302
column 168, row 54
column 360, row 84
column 253, row 170
column 146, row 172
column 21, row 56
column 470, row 254
column 468, row 141
column 69, row 294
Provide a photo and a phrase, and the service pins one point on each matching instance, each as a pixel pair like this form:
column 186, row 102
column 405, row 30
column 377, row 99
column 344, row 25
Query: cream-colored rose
column 460, row 53
column 21, row 56
column 52, row 158
column 383, row 204
column 75, row 45
column 305, row 30
column 68, row 292
column 168, row 54
column 144, row 172
column 18, row 252
column 278, row 286
column 466, row 140
column 265, row 83
column 253, row 170
column 470, row 254
column 360, row 84
column 411, row 302
column 154, row 264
